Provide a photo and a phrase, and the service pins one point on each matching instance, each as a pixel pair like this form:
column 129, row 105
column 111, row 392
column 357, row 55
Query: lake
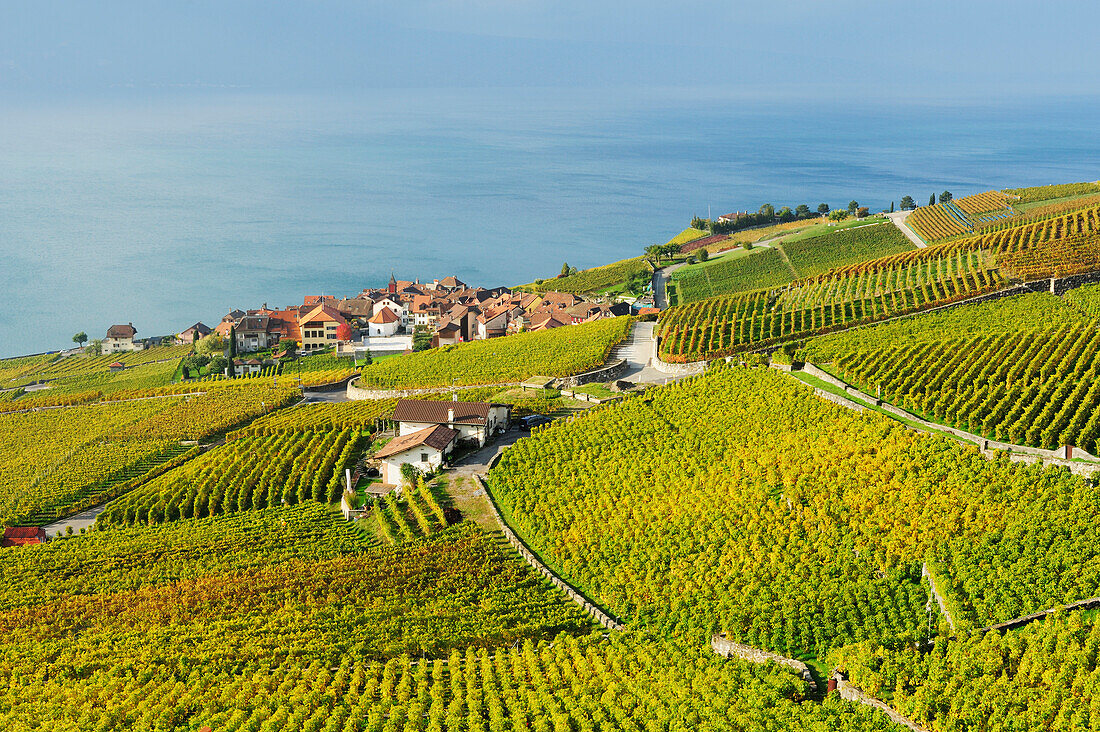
column 166, row 209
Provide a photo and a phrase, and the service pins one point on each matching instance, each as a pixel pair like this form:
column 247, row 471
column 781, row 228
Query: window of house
column 423, row 457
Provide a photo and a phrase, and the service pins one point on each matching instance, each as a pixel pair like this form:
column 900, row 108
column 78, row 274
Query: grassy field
column 851, row 245
column 736, row 271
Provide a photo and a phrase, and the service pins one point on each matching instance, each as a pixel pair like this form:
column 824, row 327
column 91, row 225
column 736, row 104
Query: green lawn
column 737, row 271
column 825, row 227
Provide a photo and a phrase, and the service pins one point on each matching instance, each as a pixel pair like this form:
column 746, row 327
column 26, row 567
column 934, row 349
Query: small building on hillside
column 117, row 366
column 383, row 323
column 425, row 449
column 120, row 339
column 192, row 334
column 22, row 535
column 475, row 422
column 248, row 367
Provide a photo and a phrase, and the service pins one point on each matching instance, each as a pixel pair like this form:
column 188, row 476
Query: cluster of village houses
column 385, row 319
column 449, row 310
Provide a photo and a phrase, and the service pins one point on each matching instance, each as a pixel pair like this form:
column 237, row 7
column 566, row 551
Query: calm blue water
column 170, row 210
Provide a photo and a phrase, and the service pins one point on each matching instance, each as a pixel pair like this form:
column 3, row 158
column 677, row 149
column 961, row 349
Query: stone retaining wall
column 989, row 448
column 675, row 369
column 851, row 692
column 728, row 649
column 357, row 393
column 607, row 372
column 601, row 617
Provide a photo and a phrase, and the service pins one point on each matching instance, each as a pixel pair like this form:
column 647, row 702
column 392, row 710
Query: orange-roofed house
column 320, row 327
column 383, row 323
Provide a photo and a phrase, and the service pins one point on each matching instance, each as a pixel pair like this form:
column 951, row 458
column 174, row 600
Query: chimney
column 451, row 415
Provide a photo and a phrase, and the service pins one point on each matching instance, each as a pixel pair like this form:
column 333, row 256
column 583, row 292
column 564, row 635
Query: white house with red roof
column 383, row 324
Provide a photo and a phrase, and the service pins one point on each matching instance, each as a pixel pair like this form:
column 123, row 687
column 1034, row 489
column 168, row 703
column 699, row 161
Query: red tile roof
column 385, row 315
column 438, row 437
column 20, row 535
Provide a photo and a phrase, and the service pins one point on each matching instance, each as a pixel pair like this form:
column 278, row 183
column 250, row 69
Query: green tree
column 891, row 207
column 767, row 212
column 945, row 196
column 785, row 214
column 564, row 269
column 823, row 208
column 80, row 339
column 232, row 352
column 422, row 338
column 838, row 215
column 907, row 203
column 218, row 364
column 932, row 200
column 210, row 345
column 803, row 211
column 853, row 206
column 95, row 347
column 703, row 254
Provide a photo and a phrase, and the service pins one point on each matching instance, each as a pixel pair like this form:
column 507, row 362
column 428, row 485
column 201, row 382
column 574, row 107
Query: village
column 403, row 317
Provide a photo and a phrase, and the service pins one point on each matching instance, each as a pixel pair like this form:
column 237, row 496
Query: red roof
column 385, row 315
column 438, row 437
column 20, row 535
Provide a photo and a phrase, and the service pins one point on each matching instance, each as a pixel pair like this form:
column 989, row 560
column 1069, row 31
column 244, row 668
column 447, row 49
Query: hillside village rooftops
column 437, row 412
column 438, row 437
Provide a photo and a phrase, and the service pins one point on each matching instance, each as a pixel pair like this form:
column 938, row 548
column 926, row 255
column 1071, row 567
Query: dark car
column 535, row 420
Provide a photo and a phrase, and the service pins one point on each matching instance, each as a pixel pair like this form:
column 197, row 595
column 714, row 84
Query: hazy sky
column 846, row 47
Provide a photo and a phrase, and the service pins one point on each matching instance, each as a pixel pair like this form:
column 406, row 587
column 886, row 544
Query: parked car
column 535, row 420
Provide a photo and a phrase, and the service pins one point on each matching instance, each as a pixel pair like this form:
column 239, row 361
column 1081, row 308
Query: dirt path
column 899, row 217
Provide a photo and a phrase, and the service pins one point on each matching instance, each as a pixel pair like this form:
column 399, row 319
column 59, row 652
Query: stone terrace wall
column 675, row 369
column 601, row 617
column 726, row 648
column 989, row 448
column 852, row 693
column 608, row 372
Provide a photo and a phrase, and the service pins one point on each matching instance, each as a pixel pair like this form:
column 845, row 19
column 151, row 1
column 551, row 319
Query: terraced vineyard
column 244, row 474
column 558, row 352
column 1036, row 387
column 760, row 268
column 1046, row 193
column 596, row 278
column 88, row 454
column 1041, row 677
column 415, row 514
column 852, row 245
column 800, row 534
column 844, row 297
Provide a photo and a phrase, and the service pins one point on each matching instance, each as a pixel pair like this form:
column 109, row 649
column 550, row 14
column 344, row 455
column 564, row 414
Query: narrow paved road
column 83, row 520
column 899, row 217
